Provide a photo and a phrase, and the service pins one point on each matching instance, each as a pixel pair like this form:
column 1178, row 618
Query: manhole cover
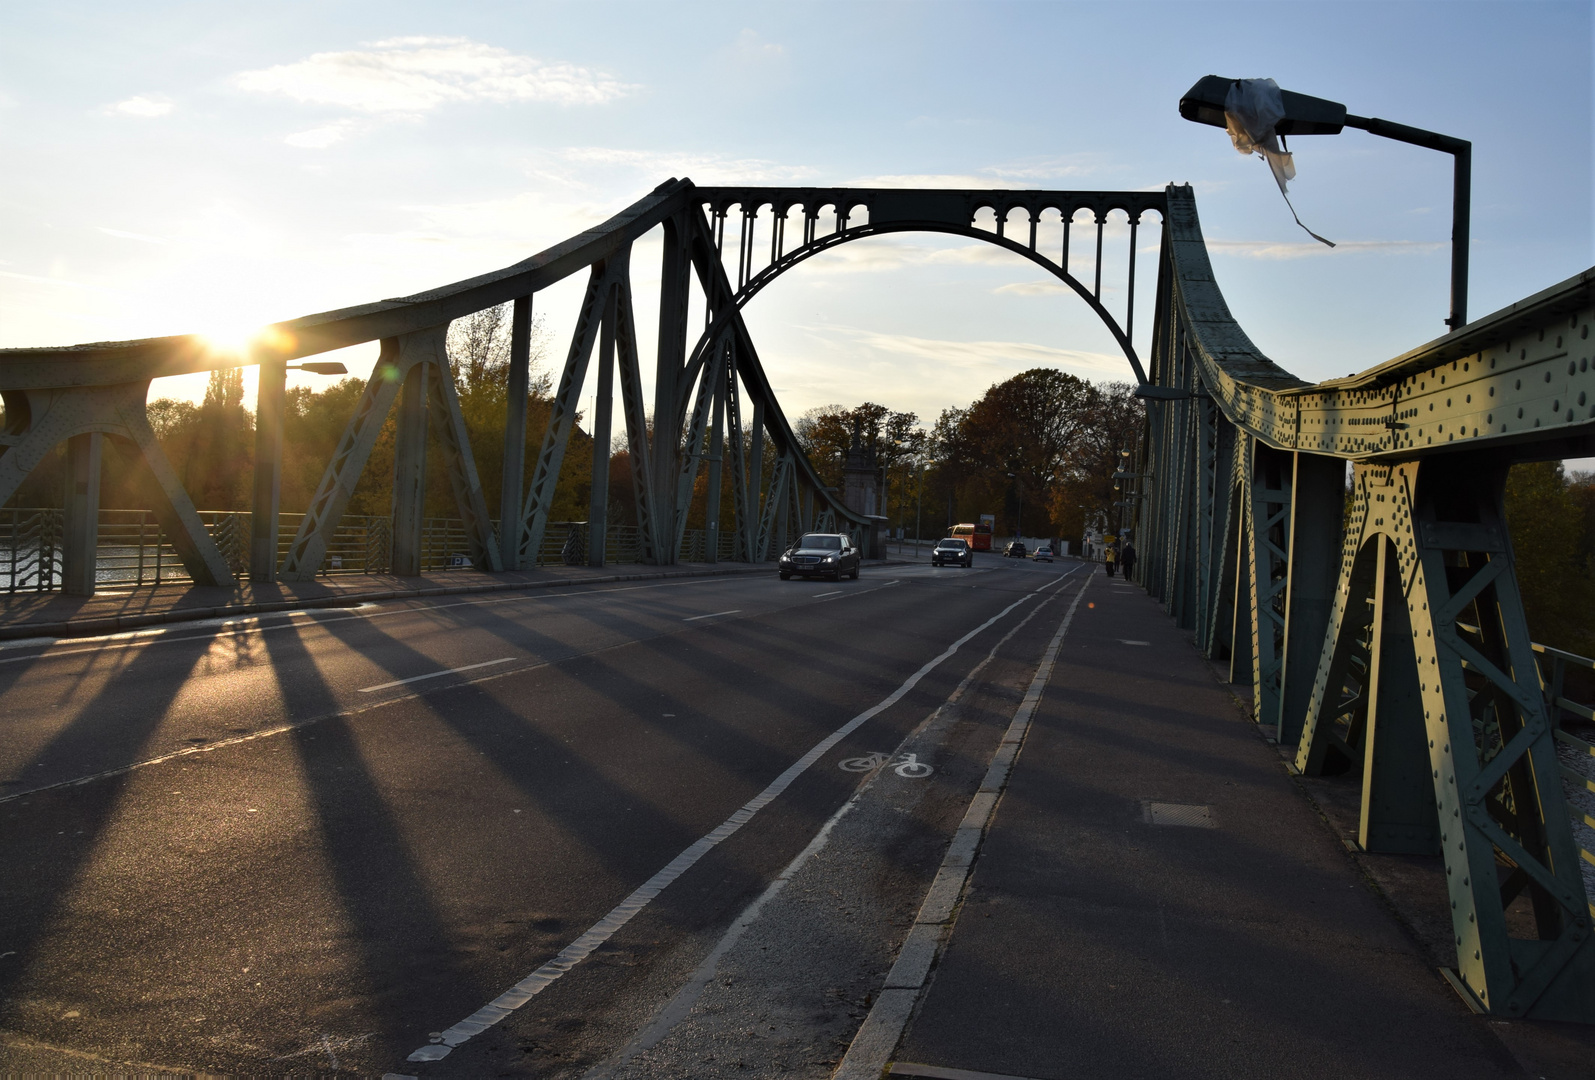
column 1168, row 813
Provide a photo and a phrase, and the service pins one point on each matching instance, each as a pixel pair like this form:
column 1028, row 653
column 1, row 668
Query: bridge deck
column 1094, row 942
column 404, row 811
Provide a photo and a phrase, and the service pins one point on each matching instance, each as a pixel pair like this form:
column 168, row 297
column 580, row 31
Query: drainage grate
column 1168, row 813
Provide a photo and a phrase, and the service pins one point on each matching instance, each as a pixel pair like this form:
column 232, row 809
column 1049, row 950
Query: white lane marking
column 823, row 595
column 435, row 674
column 882, row 1030
column 711, row 615
column 1127, row 641
column 336, row 714
column 132, row 639
column 680, row 1005
column 605, row 928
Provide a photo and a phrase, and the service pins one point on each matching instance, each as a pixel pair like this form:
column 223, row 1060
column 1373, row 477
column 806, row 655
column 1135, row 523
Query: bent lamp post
column 1306, row 115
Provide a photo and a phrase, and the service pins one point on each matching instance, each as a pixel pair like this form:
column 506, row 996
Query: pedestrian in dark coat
column 1127, row 558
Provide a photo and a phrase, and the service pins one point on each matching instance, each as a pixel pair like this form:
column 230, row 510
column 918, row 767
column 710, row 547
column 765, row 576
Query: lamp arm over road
column 1308, row 115
column 1461, row 151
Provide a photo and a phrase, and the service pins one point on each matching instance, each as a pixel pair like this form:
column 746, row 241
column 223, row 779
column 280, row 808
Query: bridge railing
column 134, row 550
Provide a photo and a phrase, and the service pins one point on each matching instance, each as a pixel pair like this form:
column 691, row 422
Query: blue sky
column 179, row 167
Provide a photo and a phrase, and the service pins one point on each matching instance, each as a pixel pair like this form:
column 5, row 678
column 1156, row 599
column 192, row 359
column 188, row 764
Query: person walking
column 1110, row 555
column 1127, row 559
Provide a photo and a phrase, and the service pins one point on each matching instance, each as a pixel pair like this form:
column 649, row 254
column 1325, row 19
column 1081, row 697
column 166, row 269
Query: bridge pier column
column 1398, row 806
column 271, row 396
column 82, row 513
column 711, row 506
column 603, row 424
column 1317, row 507
column 511, row 505
column 409, row 473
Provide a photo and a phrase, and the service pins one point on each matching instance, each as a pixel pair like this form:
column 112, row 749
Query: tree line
column 1036, row 451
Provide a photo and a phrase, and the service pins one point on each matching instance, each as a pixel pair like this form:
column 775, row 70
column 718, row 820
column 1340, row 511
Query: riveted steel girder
column 1449, row 726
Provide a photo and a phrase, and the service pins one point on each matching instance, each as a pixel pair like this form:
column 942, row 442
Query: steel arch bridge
column 1390, row 640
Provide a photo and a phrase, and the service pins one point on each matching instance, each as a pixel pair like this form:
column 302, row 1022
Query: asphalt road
column 321, row 841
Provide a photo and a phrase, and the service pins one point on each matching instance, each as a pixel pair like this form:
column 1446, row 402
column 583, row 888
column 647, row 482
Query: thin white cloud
column 750, row 48
column 1264, row 249
column 319, row 138
column 124, row 235
column 42, row 280
column 980, row 355
column 144, row 106
column 929, row 180
column 1021, row 175
column 1032, row 288
column 707, row 169
column 413, row 75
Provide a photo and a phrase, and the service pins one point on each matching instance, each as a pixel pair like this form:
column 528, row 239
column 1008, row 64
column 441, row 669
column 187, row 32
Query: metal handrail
column 134, row 549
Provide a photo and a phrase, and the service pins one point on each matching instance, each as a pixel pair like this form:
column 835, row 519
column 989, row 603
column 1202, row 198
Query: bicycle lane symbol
column 909, row 767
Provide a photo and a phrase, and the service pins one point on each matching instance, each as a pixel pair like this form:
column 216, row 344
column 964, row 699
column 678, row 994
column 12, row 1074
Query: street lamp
column 1019, row 515
column 919, row 505
column 1305, row 115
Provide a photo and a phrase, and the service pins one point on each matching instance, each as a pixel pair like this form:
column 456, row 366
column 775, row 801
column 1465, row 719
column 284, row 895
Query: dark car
column 821, row 555
column 1042, row 554
column 1014, row 550
column 952, row 551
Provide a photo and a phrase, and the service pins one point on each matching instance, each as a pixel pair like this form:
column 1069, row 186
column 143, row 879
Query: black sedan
column 827, row 555
column 952, row 552
column 1014, row 550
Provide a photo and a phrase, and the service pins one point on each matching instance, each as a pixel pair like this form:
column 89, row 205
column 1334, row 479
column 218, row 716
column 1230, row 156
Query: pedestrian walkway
column 1158, row 897
column 54, row 615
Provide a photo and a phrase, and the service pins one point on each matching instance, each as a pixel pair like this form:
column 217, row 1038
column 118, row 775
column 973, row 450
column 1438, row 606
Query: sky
column 206, row 167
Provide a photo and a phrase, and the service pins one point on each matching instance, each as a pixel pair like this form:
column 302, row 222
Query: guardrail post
column 409, row 472
column 82, row 532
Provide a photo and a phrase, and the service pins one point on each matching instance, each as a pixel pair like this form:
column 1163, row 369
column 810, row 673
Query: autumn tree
column 1549, row 521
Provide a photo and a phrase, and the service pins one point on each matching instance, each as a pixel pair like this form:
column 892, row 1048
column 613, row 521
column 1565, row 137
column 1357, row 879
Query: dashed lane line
column 257, row 624
column 711, row 615
column 294, row 725
column 435, row 674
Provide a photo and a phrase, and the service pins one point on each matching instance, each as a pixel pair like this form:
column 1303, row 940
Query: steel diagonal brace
column 562, row 412
column 309, row 547
column 739, row 464
column 694, row 441
column 459, row 462
column 635, row 410
column 772, row 506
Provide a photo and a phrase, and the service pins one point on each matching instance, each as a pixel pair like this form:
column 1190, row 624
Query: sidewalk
column 1157, row 897
column 34, row 614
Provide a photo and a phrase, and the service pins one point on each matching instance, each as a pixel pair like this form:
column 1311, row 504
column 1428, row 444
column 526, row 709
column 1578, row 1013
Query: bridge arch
column 751, row 284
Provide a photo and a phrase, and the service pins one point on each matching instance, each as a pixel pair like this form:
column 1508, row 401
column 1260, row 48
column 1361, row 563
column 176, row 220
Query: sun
column 242, row 341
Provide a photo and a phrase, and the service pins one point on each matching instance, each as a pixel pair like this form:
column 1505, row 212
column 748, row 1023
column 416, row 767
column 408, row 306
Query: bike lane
column 1155, row 898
